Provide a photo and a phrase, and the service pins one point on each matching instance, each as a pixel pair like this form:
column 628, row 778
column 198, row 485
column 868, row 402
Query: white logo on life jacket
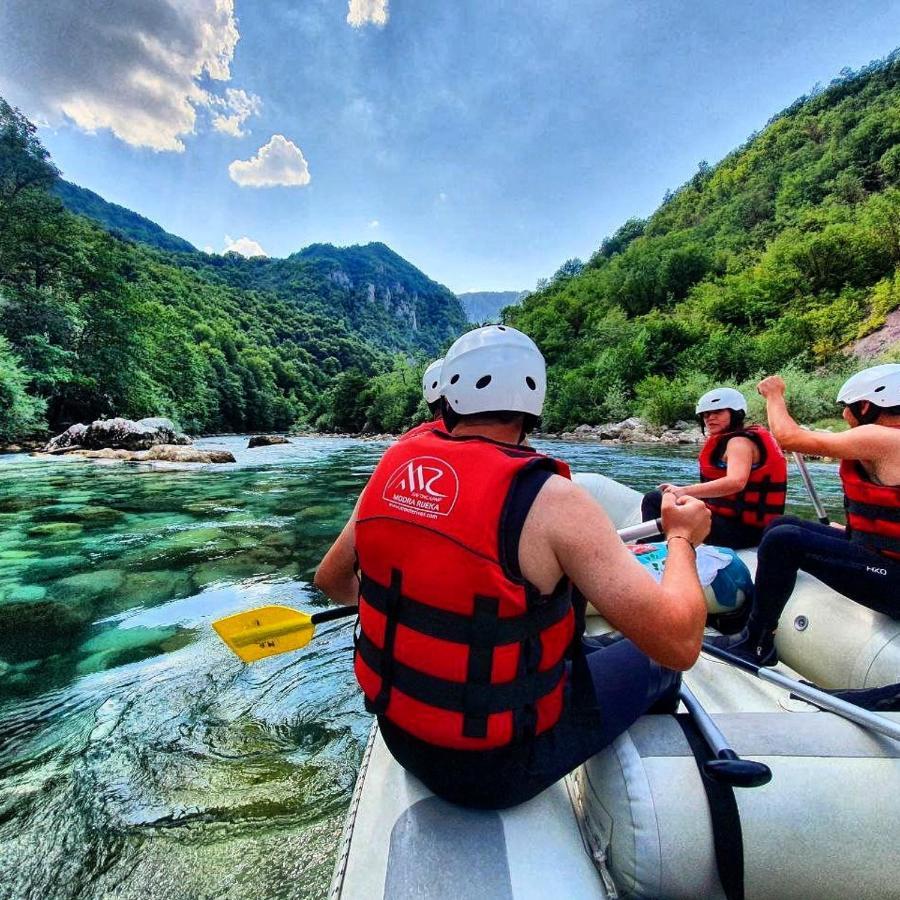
column 876, row 571
column 424, row 486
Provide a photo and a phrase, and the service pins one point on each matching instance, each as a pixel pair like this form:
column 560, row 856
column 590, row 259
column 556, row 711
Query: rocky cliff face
column 485, row 306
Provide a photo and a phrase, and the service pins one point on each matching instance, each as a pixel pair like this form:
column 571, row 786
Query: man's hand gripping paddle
column 270, row 630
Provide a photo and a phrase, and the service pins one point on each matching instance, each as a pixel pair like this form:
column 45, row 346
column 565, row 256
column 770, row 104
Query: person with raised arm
column 861, row 562
column 471, row 558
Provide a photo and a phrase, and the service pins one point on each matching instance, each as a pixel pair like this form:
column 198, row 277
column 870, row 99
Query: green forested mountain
column 371, row 289
column 117, row 219
column 778, row 256
column 92, row 325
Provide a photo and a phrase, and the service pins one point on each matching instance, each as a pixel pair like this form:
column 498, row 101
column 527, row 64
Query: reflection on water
column 138, row 756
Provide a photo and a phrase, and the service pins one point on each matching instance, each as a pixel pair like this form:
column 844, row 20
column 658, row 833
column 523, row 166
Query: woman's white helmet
column 431, row 381
column 494, row 368
column 721, row 398
column 879, row 385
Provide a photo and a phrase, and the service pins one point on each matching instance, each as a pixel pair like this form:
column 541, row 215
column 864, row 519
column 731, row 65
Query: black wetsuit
column 852, row 569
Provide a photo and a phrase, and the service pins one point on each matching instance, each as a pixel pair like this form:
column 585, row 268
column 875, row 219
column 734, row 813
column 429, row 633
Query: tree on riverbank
column 20, row 414
column 99, row 325
column 783, row 253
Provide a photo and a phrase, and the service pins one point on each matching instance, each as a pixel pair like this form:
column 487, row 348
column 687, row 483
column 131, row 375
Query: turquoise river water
column 138, row 757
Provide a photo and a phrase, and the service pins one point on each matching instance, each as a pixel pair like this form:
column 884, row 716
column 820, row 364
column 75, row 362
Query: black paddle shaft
column 727, row 767
column 335, row 612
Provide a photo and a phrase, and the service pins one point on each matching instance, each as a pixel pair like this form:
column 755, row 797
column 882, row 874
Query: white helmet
column 494, row 368
column 721, row 398
column 431, row 381
column 879, row 385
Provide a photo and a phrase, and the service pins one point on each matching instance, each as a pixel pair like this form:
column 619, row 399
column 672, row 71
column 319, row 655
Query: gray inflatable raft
column 634, row 821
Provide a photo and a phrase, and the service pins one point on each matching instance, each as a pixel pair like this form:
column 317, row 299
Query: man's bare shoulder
column 563, row 502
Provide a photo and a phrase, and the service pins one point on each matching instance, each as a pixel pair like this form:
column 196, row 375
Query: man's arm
column 865, row 442
column 737, row 474
column 336, row 574
column 664, row 620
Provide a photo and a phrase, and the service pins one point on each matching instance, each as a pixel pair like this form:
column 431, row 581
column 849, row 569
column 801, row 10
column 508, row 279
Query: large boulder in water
column 266, row 440
column 118, row 434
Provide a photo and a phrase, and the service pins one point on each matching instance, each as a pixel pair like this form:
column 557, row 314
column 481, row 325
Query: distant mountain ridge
column 104, row 313
column 485, row 306
column 119, row 220
column 370, row 288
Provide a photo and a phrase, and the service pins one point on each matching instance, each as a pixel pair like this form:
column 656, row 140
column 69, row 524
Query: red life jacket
column 453, row 645
column 762, row 500
column 424, row 428
column 873, row 510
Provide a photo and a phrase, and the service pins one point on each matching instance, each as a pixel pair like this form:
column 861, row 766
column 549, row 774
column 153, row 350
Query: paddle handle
column 811, row 489
column 643, row 530
column 332, row 613
column 866, row 718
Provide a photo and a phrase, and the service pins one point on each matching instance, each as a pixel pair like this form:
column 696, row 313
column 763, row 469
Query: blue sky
column 485, row 141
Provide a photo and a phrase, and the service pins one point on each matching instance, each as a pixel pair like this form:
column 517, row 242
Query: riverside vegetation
column 97, row 323
column 778, row 258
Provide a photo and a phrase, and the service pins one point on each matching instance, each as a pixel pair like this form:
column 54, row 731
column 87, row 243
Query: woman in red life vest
column 743, row 473
column 862, row 561
column 471, row 558
column 431, row 391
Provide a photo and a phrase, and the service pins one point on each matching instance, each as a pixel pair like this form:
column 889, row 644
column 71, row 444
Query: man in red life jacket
column 471, row 558
column 743, row 473
column 431, row 391
column 861, row 562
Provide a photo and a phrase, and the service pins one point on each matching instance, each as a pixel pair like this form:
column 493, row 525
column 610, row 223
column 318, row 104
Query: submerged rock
column 172, row 453
column 159, row 453
column 266, row 440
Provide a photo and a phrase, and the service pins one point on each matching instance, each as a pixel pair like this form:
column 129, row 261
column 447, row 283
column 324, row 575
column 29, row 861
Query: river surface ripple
column 138, row 757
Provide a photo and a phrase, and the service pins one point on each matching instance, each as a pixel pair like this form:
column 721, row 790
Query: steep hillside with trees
column 92, row 324
column 118, row 220
column 780, row 255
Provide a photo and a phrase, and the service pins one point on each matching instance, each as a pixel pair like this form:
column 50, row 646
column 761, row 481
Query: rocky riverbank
column 146, row 440
column 631, row 431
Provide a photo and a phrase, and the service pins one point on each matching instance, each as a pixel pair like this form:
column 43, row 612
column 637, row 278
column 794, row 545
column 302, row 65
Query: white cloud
column 367, row 12
column 243, row 245
column 236, row 107
column 280, row 163
column 374, row 224
column 134, row 67
column 442, row 197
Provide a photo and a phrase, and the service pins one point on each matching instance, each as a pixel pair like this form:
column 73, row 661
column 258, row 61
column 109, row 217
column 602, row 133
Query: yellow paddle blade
column 266, row 631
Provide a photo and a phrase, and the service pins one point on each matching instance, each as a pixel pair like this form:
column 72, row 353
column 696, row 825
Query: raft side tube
column 818, row 829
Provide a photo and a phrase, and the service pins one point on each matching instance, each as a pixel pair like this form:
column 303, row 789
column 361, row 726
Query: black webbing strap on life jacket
column 871, row 510
column 482, row 640
column 761, row 507
column 449, row 626
column 386, row 670
column 458, row 696
column 728, row 839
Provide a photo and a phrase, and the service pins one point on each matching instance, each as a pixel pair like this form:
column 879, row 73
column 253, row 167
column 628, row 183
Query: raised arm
column 664, row 620
column 865, row 442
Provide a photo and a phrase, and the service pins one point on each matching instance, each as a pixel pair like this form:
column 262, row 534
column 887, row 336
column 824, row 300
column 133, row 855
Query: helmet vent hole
column 530, row 382
column 434, row 385
column 501, row 327
column 879, row 389
column 454, row 379
column 483, row 382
